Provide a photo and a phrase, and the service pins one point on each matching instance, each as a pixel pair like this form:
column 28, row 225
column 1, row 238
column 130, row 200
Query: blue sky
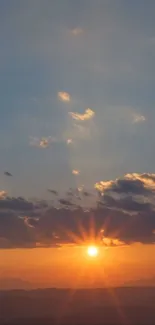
column 101, row 53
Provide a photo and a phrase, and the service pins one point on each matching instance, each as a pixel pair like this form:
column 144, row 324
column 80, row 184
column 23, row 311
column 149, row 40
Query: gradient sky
column 62, row 57
column 102, row 54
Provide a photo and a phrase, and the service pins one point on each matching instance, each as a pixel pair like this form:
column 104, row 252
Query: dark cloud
column 65, row 226
column 124, row 215
column 52, row 191
column 65, row 202
column 13, row 232
column 7, row 174
column 86, row 194
column 134, row 192
column 16, row 204
column 134, row 184
column 126, row 204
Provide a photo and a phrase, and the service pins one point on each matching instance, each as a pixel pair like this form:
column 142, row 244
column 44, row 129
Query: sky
column 77, row 112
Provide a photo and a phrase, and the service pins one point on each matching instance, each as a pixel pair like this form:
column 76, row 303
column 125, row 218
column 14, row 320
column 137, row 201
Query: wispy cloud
column 44, row 142
column 138, row 118
column 75, row 172
column 64, row 96
column 89, row 114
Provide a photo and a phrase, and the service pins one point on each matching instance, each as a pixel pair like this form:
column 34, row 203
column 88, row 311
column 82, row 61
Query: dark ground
column 129, row 306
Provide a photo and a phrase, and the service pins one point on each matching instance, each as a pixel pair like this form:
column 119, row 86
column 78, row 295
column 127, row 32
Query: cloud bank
column 124, row 214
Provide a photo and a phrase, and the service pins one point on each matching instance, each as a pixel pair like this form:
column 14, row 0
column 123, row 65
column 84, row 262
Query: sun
column 92, row 251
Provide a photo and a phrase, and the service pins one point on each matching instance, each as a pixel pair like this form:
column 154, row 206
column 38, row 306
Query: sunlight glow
column 92, row 251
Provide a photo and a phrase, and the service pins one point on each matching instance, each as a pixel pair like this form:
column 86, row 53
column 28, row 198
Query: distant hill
column 14, row 283
column 148, row 282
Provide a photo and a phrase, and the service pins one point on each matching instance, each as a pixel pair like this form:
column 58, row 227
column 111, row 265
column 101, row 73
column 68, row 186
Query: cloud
column 7, row 174
column 147, row 179
column 86, row 194
column 75, row 172
column 80, row 188
column 44, row 142
column 138, row 118
column 77, row 31
column 74, row 226
column 65, row 202
column 131, row 183
column 3, row 194
column 89, row 114
column 69, row 141
column 123, row 214
column 64, row 96
column 134, row 192
column 15, row 204
column 53, row 192
column 30, row 222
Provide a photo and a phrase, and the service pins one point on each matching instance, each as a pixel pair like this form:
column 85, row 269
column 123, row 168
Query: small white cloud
column 64, row 96
column 69, row 141
column 44, row 143
column 75, row 172
column 77, row 31
column 80, row 188
column 138, row 118
column 89, row 114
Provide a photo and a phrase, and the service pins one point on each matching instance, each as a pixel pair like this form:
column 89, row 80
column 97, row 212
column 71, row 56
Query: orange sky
column 71, row 266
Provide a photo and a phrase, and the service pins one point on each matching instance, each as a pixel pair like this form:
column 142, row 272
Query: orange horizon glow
column 71, row 266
